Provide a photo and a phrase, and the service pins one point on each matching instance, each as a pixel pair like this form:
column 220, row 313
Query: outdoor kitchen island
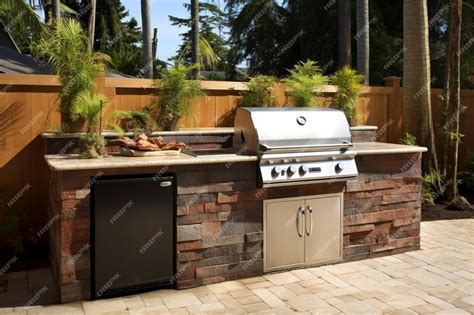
column 220, row 212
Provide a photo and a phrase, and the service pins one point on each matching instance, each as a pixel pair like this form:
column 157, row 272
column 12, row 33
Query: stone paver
column 438, row 279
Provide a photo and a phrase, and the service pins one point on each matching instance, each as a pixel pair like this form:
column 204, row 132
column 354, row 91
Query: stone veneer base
column 220, row 221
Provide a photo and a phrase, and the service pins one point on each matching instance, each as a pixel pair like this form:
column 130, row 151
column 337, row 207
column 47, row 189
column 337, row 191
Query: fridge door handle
column 300, row 214
column 310, row 211
column 166, row 184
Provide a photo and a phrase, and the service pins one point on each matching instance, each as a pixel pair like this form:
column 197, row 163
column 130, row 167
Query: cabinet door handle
column 310, row 231
column 300, row 214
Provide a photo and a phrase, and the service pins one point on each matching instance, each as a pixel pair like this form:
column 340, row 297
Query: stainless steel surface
column 310, row 220
column 296, row 146
column 300, row 221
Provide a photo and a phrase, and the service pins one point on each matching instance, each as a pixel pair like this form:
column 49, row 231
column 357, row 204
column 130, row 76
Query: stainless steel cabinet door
column 284, row 233
column 323, row 228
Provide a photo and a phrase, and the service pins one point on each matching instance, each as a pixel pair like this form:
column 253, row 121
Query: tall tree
column 453, row 105
column 147, row 44
column 212, row 45
column 417, row 114
column 195, row 34
column 56, row 8
column 92, row 18
column 362, row 37
column 344, row 32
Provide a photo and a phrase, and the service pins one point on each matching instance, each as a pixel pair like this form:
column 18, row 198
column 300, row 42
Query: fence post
column 394, row 109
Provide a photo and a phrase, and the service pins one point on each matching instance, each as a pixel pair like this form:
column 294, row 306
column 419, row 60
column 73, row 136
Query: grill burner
column 296, row 146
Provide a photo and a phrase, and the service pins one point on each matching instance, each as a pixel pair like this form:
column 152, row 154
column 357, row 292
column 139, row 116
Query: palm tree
column 91, row 27
column 147, row 44
column 23, row 10
column 56, row 7
column 344, row 32
column 362, row 37
column 417, row 114
column 195, row 34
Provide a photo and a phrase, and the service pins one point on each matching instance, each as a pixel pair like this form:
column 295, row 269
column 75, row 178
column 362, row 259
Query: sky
column 168, row 35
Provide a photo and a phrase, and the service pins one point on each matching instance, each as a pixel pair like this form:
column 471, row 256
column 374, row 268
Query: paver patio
column 438, row 279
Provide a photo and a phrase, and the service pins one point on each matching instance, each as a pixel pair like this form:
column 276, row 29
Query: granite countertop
column 373, row 148
column 72, row 162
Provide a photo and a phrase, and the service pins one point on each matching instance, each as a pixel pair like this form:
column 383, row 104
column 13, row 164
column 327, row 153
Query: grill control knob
column 292, row 170
column 304, row 169
column 276, row 171
column 339, row 167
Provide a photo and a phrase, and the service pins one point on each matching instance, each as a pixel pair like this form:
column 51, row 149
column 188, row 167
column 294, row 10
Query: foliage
column 21, row 21
column 176, row 92
column 88, row 105
column 468, row 175
column 259, row 92
column 66, row 49
column 92, row 146
column 430, row 189
column 305, row 82
column 408, row 139
column 135, row 121
column 349, row 86
column 115, row 34
column 212, row 45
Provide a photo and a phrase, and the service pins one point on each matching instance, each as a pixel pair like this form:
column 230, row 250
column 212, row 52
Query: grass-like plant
column 176, row 93
column 350, row 85
column 134, row 120
column 305, row 82
column 66, row 48
column 259, row 92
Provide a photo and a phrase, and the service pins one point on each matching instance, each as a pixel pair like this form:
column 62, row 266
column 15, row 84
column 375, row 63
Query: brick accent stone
column 220, row 218
column 188, row 232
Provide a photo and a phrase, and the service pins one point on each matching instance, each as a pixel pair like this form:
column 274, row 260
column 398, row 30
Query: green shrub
column 88, row 105
column 350, row 85
column 430, row 188
column 304, row 83
column 176, row 93
column 134, row 121
column 408, row 139
column 468, row 175
column 259, row 92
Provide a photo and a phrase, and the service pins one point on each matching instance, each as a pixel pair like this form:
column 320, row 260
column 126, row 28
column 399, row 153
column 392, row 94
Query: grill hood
column 291, row 129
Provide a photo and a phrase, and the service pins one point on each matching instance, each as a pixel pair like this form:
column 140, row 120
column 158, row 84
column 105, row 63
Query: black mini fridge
column 132, row 234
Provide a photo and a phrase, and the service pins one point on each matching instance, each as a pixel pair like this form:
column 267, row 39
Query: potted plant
column 66, row 49
column 259, row 92
column 88, row 106
column 305, row 82
column 176, row 95
column 350, row 85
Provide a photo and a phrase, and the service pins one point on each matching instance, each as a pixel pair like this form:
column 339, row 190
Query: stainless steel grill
column 296, row 146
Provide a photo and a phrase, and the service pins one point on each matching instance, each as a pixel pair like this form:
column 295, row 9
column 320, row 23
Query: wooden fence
column 28, row 106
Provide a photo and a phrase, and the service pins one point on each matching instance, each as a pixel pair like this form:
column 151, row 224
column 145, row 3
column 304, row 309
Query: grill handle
column 342, row 146
column 310, row 231
column 300, row 214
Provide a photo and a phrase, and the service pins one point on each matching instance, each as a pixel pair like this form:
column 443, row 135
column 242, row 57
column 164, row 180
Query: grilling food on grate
column 143, row 143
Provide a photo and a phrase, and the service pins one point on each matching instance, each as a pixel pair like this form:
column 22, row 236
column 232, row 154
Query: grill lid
column 291, row 129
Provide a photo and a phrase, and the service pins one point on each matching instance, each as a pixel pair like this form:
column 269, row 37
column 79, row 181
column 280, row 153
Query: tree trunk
column 91, row 27
column 417, row 115
column 447, row 75
column 56, row 10
column 362, row 37
column 48, row 12
column 154, row 45
column 454, row 105
column 195, row 34
column 344, row 32
column 147, row 46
